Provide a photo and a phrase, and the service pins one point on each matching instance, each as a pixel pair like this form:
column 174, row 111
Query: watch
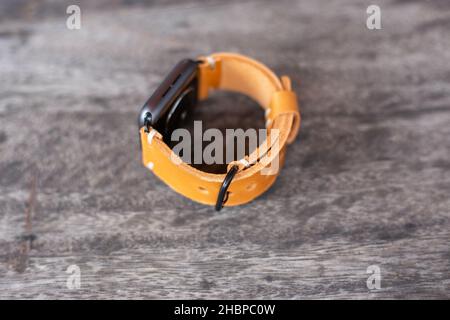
column 191, row 81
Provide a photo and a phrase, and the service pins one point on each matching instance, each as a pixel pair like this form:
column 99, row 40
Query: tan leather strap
column 227, row 71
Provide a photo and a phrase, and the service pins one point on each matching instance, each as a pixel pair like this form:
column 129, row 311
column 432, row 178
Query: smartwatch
column 191, row 81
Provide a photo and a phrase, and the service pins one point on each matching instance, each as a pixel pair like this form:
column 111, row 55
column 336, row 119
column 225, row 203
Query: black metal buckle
column 223, row 193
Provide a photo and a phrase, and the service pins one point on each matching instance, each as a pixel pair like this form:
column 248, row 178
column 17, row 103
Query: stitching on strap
column 211, row 62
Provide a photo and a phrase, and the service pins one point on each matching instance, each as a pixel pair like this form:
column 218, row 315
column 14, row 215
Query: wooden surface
column 367, row 182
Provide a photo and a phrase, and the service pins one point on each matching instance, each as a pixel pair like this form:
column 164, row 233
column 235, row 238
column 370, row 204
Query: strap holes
column 203, row 190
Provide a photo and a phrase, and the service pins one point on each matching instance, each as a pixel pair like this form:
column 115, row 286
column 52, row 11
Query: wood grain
column 367, row 182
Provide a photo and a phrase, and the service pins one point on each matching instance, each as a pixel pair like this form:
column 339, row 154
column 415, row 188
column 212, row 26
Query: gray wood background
column 367, row 182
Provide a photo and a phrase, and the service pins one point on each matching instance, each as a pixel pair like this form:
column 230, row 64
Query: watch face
column 172, row 101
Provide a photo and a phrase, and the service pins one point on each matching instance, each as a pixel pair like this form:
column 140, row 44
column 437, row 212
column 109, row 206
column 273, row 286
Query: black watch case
column 173, row 100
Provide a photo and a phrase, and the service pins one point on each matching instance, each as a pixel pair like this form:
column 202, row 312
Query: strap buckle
column 223, row 192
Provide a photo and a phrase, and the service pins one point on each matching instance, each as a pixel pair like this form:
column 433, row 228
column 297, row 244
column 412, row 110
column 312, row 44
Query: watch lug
column 166, row 97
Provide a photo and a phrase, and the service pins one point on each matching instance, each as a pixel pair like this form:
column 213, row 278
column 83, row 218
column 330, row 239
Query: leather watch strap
column 227, row 71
